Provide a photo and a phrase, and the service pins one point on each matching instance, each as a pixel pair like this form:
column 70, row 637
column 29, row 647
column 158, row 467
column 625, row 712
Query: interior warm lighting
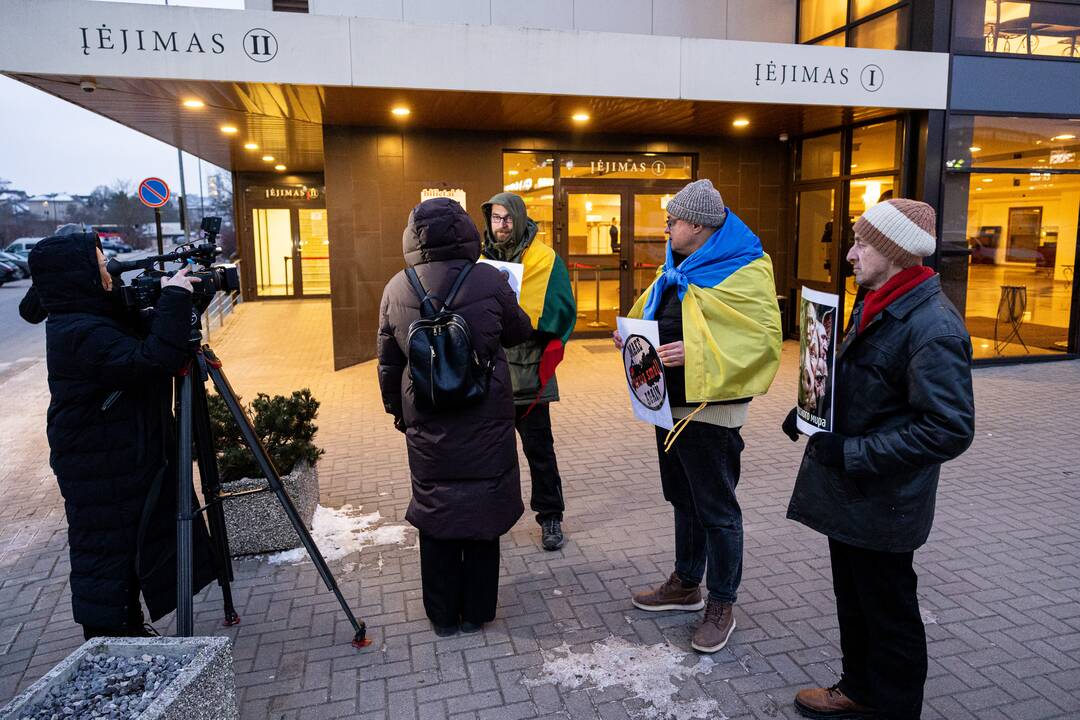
column 974, row 148
column 978, row 189
column 512, row 172
column 664, row 200
column 854, row 165
column 580, row 117
column 988, row 179
column 1066, row 136
column 401, row 111
column 228, row 129
column 741, row 122
column 872, row 194
column 268, row 158
column 588, row 206
column 194, row 103
column 279, row 167
column 251, row 146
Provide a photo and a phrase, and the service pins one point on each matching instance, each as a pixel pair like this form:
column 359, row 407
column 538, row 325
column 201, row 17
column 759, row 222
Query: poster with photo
column 818, row 326
column 644, row 371
column 513, row 272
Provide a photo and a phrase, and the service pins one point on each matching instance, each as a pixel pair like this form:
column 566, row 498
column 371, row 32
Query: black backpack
column 445, row 368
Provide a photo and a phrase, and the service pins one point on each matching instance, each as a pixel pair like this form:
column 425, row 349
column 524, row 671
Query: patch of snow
column 556, row 593
column 341, row 532
column 928, row 618
column 651, row 673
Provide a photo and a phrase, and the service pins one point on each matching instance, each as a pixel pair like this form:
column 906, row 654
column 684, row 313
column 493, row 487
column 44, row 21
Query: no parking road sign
column 153, row 192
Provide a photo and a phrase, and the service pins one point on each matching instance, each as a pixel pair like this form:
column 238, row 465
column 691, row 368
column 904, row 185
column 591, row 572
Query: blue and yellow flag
column 731, row 321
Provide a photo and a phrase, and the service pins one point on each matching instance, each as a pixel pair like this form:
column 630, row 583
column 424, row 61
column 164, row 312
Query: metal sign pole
column 160, row 242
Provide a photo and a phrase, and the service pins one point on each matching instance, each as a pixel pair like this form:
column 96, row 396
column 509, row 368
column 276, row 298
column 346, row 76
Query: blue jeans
column 699, row 475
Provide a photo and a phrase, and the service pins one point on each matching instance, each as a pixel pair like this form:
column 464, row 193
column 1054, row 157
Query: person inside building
column 466, row 487
column 904, row 405
column 111, row 435
column 714, row 300
column 613, row 234
column 546, row 295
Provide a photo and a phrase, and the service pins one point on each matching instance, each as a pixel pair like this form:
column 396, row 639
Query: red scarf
column 895, row 288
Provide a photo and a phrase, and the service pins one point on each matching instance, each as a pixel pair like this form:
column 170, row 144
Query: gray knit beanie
column 699, row 203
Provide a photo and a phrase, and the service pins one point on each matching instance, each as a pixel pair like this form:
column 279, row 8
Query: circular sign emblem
column 260, row 45
column 872, row 78
column 153, row 192
column 644, row 372
column 659, row 167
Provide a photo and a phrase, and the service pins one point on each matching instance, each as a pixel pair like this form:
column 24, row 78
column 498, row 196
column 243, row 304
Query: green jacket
column 546, row 296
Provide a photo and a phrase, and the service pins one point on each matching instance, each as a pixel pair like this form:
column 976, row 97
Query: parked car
column 116, row 245
column 23, row 245
column 20, row 263
column 7, row 272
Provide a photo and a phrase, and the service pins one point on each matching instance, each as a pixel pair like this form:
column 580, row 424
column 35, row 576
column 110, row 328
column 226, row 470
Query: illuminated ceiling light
column 988, row 179
column 228, row 129
column 279, row 167
column 580, row 117
column 854, row 165
column 401, row 111
column 974, row 148
column 512, row 172
column 251, row 146
column 268, row 158
column 1066, row 136
column 194, row 103
column 740, row 122
column 978, row 189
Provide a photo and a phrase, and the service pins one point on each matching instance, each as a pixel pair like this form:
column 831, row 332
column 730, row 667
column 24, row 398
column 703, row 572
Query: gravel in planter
column 257, row 523
column 109, row 686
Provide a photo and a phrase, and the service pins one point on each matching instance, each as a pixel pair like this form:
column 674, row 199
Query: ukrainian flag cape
column 545, row 292
column 731, row 321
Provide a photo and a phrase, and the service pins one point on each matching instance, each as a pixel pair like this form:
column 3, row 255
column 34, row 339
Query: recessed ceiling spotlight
column 279, row 167
column 1066, row 136
column 251, row 146
column 193, row 103
column 974, row 148
column 740, row 122
column 988, row 179
column 580, row 117
column 512, row 172
column 401, row 111
column 268, row 158
column 228, row 129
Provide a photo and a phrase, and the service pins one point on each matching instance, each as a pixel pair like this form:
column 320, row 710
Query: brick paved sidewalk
column 999, row 579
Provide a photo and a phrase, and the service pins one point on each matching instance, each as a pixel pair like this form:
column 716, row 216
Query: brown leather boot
column 715, row 629
column 672, row 595
column 830, row 704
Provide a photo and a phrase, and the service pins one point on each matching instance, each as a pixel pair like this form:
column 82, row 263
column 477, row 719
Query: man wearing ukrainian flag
column 546, row 296
column 714, row 301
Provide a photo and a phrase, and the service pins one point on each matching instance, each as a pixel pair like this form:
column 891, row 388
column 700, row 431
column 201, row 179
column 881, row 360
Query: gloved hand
column 399, row 424
column 827, row 448
column 790, row 427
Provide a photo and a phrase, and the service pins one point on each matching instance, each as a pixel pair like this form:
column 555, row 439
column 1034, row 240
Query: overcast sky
column 49, row 145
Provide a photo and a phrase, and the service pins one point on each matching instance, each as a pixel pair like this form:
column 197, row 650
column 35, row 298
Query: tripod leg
column 211, row 486
column 224, row 389
column 184, row 604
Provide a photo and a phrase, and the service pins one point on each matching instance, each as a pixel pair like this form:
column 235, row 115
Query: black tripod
column 194, row 424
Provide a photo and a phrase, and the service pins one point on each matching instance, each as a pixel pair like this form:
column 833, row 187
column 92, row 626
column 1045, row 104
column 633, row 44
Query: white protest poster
column 644, row 371
column 818, row 324
column 513, row 273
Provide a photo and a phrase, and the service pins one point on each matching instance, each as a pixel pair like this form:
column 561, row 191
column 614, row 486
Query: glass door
column 313, row 254
column 273, row 231
column 594, row 248
column 650, row 240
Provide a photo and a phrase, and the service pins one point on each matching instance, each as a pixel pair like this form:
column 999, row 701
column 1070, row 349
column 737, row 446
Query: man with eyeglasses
column 546, row 296
column 714, row 300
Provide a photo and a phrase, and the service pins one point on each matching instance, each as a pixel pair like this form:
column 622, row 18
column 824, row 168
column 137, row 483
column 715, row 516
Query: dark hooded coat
column 464, row 467
column 113, row 453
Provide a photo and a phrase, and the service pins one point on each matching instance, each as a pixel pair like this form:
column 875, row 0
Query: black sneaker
column 444, row 630
column 551, row 534
column 471, row 627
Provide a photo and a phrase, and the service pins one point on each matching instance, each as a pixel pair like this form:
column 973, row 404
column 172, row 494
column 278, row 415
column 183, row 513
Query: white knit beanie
column 901, row 230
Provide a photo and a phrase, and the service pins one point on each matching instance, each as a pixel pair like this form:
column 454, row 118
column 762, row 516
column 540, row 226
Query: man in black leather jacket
column 903, row 406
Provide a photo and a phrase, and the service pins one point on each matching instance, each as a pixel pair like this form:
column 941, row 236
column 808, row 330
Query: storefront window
column 1037, row 144
column 1049, row 29
column 837, row 40
column 1017, row 237
column 820, row 157
column 888, row 32
column 862, row 8
column 874, row 147
column 532, row 176
column 817, row 17
column 863, row 194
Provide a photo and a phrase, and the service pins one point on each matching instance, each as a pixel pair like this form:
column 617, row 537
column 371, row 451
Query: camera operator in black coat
column 111, row 434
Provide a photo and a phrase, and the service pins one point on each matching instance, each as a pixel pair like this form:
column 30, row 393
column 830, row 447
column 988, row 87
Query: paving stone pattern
column 999, row 578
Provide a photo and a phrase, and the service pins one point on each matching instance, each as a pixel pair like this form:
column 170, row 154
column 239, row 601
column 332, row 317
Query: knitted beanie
column 901, row 230
column 699, row 203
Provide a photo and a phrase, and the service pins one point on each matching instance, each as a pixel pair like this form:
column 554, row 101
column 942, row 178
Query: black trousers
column 539, row 448
column 881, row 631
column 134, row 614
column 460, row 579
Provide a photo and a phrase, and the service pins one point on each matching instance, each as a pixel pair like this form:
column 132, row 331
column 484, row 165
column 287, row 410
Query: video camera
column 145, row 288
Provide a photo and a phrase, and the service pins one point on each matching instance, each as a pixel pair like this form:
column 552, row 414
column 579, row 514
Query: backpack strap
column 457, row 285
column 426, row 308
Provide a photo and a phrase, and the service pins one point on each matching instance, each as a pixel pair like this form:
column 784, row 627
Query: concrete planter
column 204, row 688
column 257, row 524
